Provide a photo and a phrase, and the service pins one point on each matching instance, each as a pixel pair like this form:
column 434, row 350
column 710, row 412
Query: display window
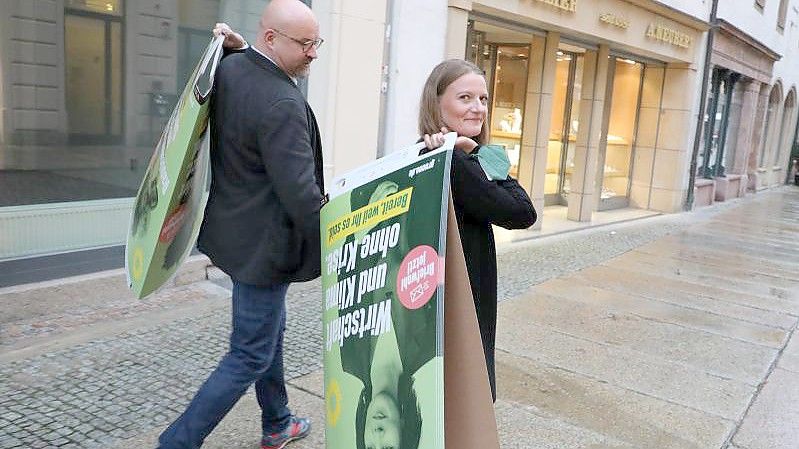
column 504, row 56
column 564, row 125
column 622, row 121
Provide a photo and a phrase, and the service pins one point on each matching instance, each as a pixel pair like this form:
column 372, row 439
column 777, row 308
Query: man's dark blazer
column 261, row 224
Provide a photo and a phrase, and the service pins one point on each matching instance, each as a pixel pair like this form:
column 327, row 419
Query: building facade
column 598, row 103
column 86, row 87
column 750, row 120
column 593, row 100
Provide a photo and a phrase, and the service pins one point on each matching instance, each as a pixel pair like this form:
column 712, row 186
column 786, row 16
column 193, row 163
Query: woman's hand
column 463, row 143
column 232, row 38
column 434, row 141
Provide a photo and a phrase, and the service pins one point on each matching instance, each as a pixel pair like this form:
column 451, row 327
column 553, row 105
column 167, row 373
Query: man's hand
column 232, row 39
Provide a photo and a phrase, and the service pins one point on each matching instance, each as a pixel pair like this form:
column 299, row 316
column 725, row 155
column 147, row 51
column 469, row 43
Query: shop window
column 785, row 127
column 509, row 94
column 768, row 128
column 564, row 124
column 72, row 133
column 622, row 122
column 712, row 161
column 783, row 12
column 504, row 57
column 109, row 7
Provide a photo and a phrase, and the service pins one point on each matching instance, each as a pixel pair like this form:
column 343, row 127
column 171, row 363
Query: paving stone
column 132, row 382
column 773, row 420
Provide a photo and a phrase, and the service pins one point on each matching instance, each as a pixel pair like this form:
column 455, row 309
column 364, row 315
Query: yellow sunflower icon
column 137, row 268
column 333, row 400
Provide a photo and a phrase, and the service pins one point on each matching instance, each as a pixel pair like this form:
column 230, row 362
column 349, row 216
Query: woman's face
column 464, row 105
column 382, row 423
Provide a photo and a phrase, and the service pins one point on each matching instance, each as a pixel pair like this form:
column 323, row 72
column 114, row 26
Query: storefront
column 593, row 101
column 86, row 87
column 743, row 118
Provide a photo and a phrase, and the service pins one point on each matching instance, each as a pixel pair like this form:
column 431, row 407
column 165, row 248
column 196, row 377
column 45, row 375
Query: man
column 261, row 223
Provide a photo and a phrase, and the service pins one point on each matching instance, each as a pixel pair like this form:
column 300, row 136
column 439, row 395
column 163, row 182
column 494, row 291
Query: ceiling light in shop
column 559, row 53
column 629, row 61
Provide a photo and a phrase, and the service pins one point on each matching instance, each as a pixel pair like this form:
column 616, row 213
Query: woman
column 455, row 98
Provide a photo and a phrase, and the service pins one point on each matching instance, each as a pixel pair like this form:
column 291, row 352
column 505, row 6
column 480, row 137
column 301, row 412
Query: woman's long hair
column 444, row 74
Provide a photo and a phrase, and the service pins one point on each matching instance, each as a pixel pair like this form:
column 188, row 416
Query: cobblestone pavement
column 114, row 387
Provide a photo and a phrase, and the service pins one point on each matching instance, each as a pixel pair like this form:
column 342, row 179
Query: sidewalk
column 670, row 332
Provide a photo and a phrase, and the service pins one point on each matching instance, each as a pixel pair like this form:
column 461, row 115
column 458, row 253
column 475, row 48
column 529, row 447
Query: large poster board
column 383, row 244
column 169, row 204
column 386, row 234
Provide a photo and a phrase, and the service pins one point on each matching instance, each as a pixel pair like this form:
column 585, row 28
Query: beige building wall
column 32, row 70
column 344, row 88
column 583, row 195
column 537, row 117
column 675, row 140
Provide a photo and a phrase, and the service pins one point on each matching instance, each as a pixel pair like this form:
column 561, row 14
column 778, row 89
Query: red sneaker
column 297, row 428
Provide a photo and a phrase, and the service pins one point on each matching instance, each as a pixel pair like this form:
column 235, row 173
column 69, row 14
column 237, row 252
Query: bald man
column 261, row 224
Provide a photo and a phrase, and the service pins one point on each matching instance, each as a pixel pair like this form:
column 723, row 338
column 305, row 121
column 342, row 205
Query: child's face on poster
column 382, row 423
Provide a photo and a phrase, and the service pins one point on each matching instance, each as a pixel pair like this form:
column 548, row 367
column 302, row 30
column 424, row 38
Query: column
column 758, row 132
column 583, row 196
column 675, row 139
column 457, row 27
column 537, row 117
column 745, row 147
column 344, row 96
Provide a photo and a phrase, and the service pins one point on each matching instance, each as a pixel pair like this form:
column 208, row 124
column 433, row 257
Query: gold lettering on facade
column 566, row 5
column 669, row 35
column 612, row 19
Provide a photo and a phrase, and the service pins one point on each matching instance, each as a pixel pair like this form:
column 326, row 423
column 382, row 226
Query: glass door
column 504, row 57
column 93, row 55
column 619, row 142
column 508, row 94
column 563, row 127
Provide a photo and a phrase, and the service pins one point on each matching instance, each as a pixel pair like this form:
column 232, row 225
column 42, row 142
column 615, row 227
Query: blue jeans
column 255, row 355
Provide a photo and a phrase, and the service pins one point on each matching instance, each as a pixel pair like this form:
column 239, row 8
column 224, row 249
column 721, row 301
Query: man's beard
column 302, row 70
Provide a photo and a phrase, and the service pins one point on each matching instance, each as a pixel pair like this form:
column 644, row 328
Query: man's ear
column 269, row 37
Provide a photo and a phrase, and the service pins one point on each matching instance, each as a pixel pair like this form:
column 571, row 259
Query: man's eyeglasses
column 306, row 44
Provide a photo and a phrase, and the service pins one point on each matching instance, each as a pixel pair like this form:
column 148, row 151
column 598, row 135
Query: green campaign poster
column 169, row 205
column 383, row 247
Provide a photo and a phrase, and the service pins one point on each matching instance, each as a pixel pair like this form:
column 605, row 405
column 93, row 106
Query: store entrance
column 564, row 124
column 622, row 104
column 504, row 57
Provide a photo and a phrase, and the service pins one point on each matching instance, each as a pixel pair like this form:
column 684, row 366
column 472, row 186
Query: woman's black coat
column 480, row 203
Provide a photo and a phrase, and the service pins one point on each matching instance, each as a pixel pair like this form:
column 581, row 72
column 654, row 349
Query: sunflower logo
column 138, row 264
column 333, row 400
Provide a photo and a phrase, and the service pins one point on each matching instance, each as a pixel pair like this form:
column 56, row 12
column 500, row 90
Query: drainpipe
column 385, row 78
column 689, row 200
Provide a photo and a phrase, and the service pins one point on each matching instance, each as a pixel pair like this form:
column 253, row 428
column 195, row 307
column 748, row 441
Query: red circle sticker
column 418, row 277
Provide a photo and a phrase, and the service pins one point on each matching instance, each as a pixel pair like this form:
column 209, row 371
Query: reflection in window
column 564, row 125
column 90, row 89
column 625, row 97
column 507, row 108
column 111, row 7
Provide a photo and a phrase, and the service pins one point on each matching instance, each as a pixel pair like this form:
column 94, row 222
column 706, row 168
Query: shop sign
column 669, row 35
column 612, row 19
column 566, row 5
